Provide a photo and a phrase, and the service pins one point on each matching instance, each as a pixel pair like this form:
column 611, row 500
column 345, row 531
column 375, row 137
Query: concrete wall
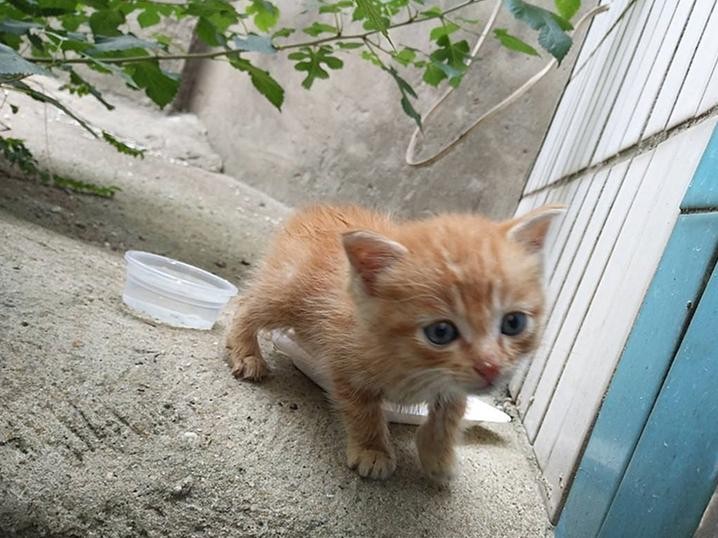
column 345, row 139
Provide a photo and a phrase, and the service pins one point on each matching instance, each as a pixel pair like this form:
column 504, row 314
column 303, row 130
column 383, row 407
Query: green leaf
column 162, row 39
column 468, row 21
column 448, row 61
column 567, row 8
column 80, row 86
column 159, row 85
column 284, row 32
column 17, row 154
column 149, row 17
column 255, row 43
column 208, row 33
column 318, row 28
column 371, row 11
column 265, row 14
column 348, row 45
column 336, row 7
column 83, row 187
column 445, row 29
column 370, row 56
column 514, row 43
column 13, row 65
column 46, row 8
column 433, row 75
column 105, row 22
column 261, row 80
column 405, row 56
column 122, row 147
column 407, row 92
column 432, row 12
column 14, row 27
column 73, row 21
column 551, row 27
column 311, row 62
column 122, row 42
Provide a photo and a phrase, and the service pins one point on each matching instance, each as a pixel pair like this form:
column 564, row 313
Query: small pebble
column 24, row 323
column 182, row 489
column 56, row 209
column 220, row 264
column 293, row 406
column 190, row 438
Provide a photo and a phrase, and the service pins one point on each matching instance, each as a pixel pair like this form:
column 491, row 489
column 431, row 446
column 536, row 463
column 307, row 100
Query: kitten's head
column 455, row 300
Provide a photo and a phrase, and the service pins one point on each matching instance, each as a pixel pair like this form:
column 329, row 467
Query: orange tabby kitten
column 416, row 311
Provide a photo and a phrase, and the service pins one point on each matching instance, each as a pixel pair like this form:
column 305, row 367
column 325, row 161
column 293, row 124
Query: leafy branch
column 117, row 38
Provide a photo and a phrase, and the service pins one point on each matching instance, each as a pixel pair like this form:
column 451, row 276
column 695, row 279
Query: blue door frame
column 651, row 463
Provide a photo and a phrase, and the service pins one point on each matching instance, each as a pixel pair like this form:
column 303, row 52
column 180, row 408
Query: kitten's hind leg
column 252, row 315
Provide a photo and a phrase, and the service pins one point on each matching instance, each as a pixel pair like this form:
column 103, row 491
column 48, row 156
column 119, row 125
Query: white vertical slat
column 574, row 302
column 570, row 267
column 567, row 281
column 578, row 193
column 532, row 201
column 646, row 53
column 601, row 64
column 553, row 137
column 611, row 83
column 574, row 95
column 616, row 301
column 710, row 98
column 566, row 108
column 565, row 194
column 699, row 75
column 561, row 194
column 526, row 204
column 582, row 192
column 600, row 26
column 679, row 67
column 652, row 87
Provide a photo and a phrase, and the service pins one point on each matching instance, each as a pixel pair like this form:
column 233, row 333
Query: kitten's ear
column 370, row 253
column 531, row 229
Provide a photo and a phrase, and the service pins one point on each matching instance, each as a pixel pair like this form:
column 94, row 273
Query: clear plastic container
column 173, row 292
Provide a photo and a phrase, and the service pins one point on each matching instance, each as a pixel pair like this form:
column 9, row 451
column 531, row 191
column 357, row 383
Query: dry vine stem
column 411, row 148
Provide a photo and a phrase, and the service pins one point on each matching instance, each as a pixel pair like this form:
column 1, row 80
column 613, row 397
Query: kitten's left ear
column 531, row 229
column 370, row 253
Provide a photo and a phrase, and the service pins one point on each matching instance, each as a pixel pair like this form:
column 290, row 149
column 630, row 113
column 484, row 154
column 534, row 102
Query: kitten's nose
column 488, row 370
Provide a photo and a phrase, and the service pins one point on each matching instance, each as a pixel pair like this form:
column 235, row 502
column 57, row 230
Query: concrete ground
column 113, row 426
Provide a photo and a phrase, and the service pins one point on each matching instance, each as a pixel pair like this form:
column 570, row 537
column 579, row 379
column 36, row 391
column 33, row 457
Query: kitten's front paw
column 371, row 463
column 250, row 367
column 438, row 459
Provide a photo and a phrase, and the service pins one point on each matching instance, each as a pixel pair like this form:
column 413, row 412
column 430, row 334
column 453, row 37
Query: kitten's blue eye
column 441, row 333
column 513, row 323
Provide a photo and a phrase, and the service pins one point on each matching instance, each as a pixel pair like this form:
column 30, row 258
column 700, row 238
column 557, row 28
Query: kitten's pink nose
column 488, row 370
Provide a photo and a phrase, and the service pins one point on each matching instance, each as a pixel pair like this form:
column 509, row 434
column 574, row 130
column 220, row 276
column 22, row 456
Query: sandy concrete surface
column 111, row 426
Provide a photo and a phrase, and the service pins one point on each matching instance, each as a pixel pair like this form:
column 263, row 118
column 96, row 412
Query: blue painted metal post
column 674, row 470
column 638, row 379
